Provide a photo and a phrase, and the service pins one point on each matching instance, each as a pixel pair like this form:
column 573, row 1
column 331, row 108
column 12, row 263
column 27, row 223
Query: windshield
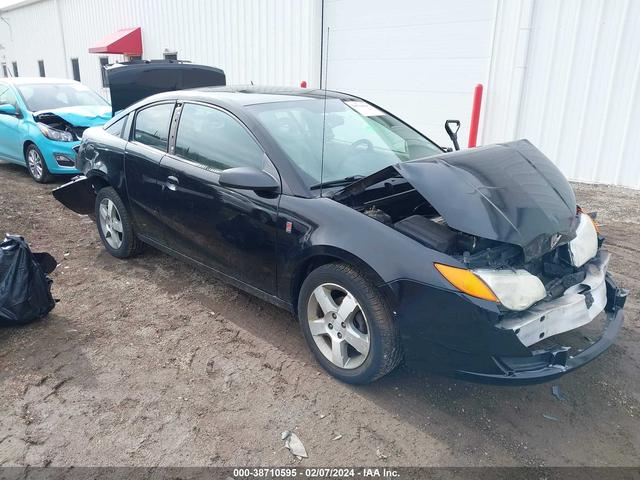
column 359, row 139
column 51, row 96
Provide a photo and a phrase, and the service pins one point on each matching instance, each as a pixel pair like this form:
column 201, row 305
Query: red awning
column 127, row 41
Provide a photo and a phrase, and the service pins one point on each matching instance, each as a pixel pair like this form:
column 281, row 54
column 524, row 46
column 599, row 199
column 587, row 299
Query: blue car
column 42, row 120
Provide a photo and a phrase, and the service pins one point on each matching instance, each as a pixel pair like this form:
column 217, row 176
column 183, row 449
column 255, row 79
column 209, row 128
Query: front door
column 148, row 144
column 11, row 140
column 231, row 231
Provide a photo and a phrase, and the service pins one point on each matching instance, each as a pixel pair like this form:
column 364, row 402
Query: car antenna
column 324, row 111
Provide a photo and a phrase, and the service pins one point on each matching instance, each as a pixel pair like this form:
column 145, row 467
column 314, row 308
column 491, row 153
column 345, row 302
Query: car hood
column 508, row 192
column 80, row 116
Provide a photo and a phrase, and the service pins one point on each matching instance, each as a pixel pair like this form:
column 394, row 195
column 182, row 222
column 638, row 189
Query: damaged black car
column 475, row 263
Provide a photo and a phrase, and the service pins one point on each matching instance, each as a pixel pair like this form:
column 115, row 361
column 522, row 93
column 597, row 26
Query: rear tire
column 36, row 165
column 338, row 305
column 115, row 225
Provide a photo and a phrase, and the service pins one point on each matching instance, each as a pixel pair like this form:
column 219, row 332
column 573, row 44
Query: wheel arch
column 98, row 180
column 323, row 255
column 25, row 145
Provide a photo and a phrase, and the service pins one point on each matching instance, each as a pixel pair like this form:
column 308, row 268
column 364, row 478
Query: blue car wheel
column 36, row 165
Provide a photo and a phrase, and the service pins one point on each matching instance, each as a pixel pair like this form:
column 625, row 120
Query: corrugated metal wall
column 33, row 33
column 564, row 74
column 572, row 69
column 274, row 42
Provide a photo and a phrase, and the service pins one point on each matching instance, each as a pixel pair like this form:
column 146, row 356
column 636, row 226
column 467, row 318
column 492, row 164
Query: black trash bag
column 25, row 288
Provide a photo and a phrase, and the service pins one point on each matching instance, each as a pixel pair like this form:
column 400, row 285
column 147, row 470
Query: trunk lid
column 133, row 81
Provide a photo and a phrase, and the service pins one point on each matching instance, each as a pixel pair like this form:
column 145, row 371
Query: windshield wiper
column 337, row 183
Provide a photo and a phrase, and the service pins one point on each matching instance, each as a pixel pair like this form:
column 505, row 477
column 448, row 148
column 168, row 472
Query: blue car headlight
column 54, row 134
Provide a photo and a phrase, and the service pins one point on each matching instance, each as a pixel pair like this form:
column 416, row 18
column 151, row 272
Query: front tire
column 36, row 165
column 114, row 225
column 348, row 324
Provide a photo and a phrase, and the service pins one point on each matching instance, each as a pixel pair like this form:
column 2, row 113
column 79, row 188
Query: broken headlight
column 585, row 246
column 54, row 134
column 516, row 289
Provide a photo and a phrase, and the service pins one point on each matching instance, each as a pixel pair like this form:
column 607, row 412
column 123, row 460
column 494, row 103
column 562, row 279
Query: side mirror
column 453, row 134
column 249, row 178
column 8, row 109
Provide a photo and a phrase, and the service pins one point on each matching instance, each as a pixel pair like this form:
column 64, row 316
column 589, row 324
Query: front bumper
column 471, row 339
column 59, row 156
column 546, row 364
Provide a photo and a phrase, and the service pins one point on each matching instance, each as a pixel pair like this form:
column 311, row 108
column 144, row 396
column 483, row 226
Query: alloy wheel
column 34, row 161
column 338, row 325
column 111, row 223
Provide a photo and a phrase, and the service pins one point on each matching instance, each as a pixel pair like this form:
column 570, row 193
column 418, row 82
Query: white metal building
column 564, row 74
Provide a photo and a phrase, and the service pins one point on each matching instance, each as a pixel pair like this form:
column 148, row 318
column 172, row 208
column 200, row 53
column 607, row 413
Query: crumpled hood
column 81, row 116
column 508, row 192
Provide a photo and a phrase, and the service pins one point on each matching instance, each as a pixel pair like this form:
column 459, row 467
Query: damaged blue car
column 42, row 120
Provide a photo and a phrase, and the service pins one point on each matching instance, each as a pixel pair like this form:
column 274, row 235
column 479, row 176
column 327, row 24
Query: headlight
column 466, row 281
column 585, row 246
column 54, row 134
column 516, row 289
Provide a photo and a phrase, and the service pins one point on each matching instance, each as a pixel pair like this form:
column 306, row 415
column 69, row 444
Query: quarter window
column 152, row 125
column 116, row 128
column 215, row 140
column 7, row 96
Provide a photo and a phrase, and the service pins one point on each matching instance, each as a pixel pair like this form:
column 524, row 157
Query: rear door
column 232, row 231
column 147, row 145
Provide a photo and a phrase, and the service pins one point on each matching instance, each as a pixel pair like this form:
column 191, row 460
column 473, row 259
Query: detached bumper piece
column 77, row 195
column 548, row 328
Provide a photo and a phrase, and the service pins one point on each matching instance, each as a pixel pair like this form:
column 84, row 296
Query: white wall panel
column 420, row 60
column 576, row 95
column 274, row 42
column 564, row 74
column 33, row 34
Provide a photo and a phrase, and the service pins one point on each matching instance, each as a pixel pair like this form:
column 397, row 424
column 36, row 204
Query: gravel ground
column 151, row 362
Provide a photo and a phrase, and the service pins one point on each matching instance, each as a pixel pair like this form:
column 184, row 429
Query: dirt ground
column 151, row 362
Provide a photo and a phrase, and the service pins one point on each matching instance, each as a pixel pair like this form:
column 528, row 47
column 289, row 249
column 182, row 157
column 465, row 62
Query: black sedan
column 384, row 245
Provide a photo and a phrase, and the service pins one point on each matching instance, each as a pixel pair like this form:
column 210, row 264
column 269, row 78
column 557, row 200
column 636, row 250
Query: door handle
column 172, row 183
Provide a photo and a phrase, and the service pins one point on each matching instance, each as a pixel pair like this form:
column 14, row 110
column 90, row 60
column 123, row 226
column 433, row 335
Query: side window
column 152, row 125
column 116, row 128
column 7, row 96
column 215, row 139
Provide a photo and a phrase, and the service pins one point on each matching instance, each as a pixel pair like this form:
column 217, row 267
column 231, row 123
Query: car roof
column 36, row 80
column 245, row 95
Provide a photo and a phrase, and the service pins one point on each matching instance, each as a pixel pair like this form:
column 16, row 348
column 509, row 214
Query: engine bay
column 54, row 121
column 398, row 205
